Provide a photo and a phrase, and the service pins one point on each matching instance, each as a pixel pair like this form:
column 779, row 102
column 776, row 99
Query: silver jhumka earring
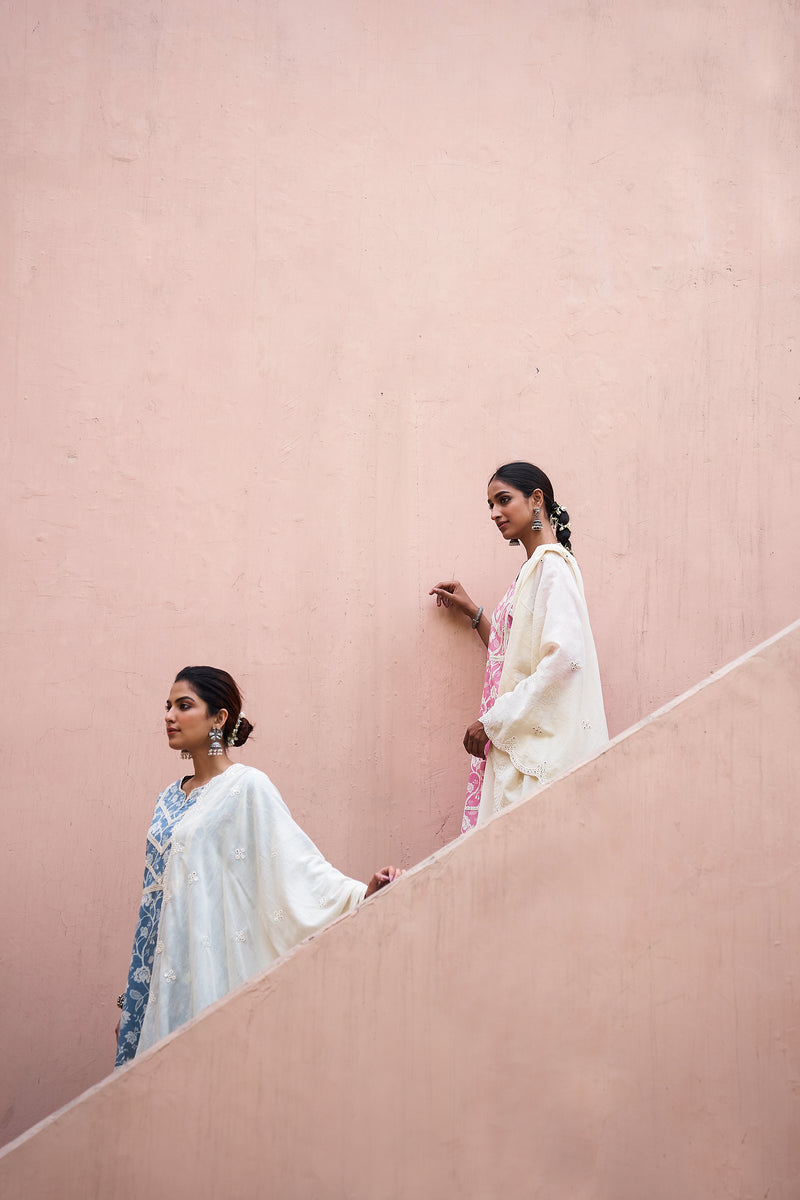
column 215, row 748
column 185, row 754
column 537, row 524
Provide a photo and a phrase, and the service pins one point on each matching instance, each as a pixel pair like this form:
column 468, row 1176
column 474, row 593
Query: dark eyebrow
column 179, row 698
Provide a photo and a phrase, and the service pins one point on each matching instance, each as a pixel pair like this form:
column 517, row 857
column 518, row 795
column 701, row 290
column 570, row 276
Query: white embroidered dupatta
column 243, row 885
column 549, row 712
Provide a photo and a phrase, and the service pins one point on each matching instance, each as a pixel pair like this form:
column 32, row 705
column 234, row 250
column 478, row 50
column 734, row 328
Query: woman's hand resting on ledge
column 381, row 878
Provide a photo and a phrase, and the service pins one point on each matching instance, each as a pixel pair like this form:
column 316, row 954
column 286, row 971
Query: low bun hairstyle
column 526, row 478
column 217, row 689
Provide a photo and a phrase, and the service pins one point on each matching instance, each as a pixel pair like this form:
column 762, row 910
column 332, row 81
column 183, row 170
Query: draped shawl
column 242, row 886
column 549, row 712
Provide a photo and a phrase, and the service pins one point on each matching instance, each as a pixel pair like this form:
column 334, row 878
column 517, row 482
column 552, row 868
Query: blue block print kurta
column 171, row 805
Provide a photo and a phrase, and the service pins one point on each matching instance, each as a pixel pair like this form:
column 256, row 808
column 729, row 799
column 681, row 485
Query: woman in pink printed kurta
column 542, row 705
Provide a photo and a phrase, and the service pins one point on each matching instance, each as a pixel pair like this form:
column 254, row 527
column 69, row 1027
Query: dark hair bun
column 243, row 732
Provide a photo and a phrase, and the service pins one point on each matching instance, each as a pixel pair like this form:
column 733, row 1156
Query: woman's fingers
column 450, row 591
column 443, row 592
column 382, row 878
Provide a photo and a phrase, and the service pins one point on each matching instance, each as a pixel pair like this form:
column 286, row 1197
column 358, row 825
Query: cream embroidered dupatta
column 243, row 885
column 549, row 712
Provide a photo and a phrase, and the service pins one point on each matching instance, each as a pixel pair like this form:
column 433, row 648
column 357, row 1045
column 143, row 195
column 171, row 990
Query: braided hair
column 526, row 478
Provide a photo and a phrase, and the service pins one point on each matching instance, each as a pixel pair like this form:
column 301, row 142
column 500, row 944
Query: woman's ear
column 221, row 718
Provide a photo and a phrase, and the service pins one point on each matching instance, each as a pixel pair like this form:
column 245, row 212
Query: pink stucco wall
column 282, row 284
column 595, row 995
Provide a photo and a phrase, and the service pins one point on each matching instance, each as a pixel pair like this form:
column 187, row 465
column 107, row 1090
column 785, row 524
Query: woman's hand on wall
column 451, row 593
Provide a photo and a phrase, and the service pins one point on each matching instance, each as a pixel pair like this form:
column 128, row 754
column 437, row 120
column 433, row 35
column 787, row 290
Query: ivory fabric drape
column 243, row 884
column 549, row 714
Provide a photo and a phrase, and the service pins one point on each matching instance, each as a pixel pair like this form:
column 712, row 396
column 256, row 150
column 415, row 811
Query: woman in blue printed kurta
column 230, row 882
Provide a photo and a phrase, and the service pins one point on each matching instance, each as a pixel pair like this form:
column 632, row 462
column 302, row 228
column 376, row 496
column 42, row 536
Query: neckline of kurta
column 201, row 787
column 539, row 553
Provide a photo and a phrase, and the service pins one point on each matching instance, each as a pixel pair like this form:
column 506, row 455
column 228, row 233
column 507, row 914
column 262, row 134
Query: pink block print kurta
column 498, row 639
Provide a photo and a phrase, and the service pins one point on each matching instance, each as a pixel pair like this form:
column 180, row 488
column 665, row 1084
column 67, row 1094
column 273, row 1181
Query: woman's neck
column 207, row 768
column 533, row 539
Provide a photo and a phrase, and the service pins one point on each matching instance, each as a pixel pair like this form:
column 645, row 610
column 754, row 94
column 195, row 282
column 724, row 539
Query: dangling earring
column 215, row 748
column 185, row 754
column 537, row 524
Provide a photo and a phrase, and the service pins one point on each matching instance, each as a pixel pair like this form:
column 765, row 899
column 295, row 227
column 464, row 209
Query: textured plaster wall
column 282, row 283
column 593, row 996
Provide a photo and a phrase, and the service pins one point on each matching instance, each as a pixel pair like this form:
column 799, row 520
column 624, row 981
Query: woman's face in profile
column 186, row 718
column 510, row 509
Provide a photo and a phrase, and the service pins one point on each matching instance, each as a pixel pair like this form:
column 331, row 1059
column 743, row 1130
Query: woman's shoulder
column 254, row 782
column 254, row 791
column 252, row 776
column 557, row 558
column 560, row 564
column 549, row 559
column 548, row 571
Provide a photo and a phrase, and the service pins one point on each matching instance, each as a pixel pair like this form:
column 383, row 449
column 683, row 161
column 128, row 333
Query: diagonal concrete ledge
column 595, row 995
